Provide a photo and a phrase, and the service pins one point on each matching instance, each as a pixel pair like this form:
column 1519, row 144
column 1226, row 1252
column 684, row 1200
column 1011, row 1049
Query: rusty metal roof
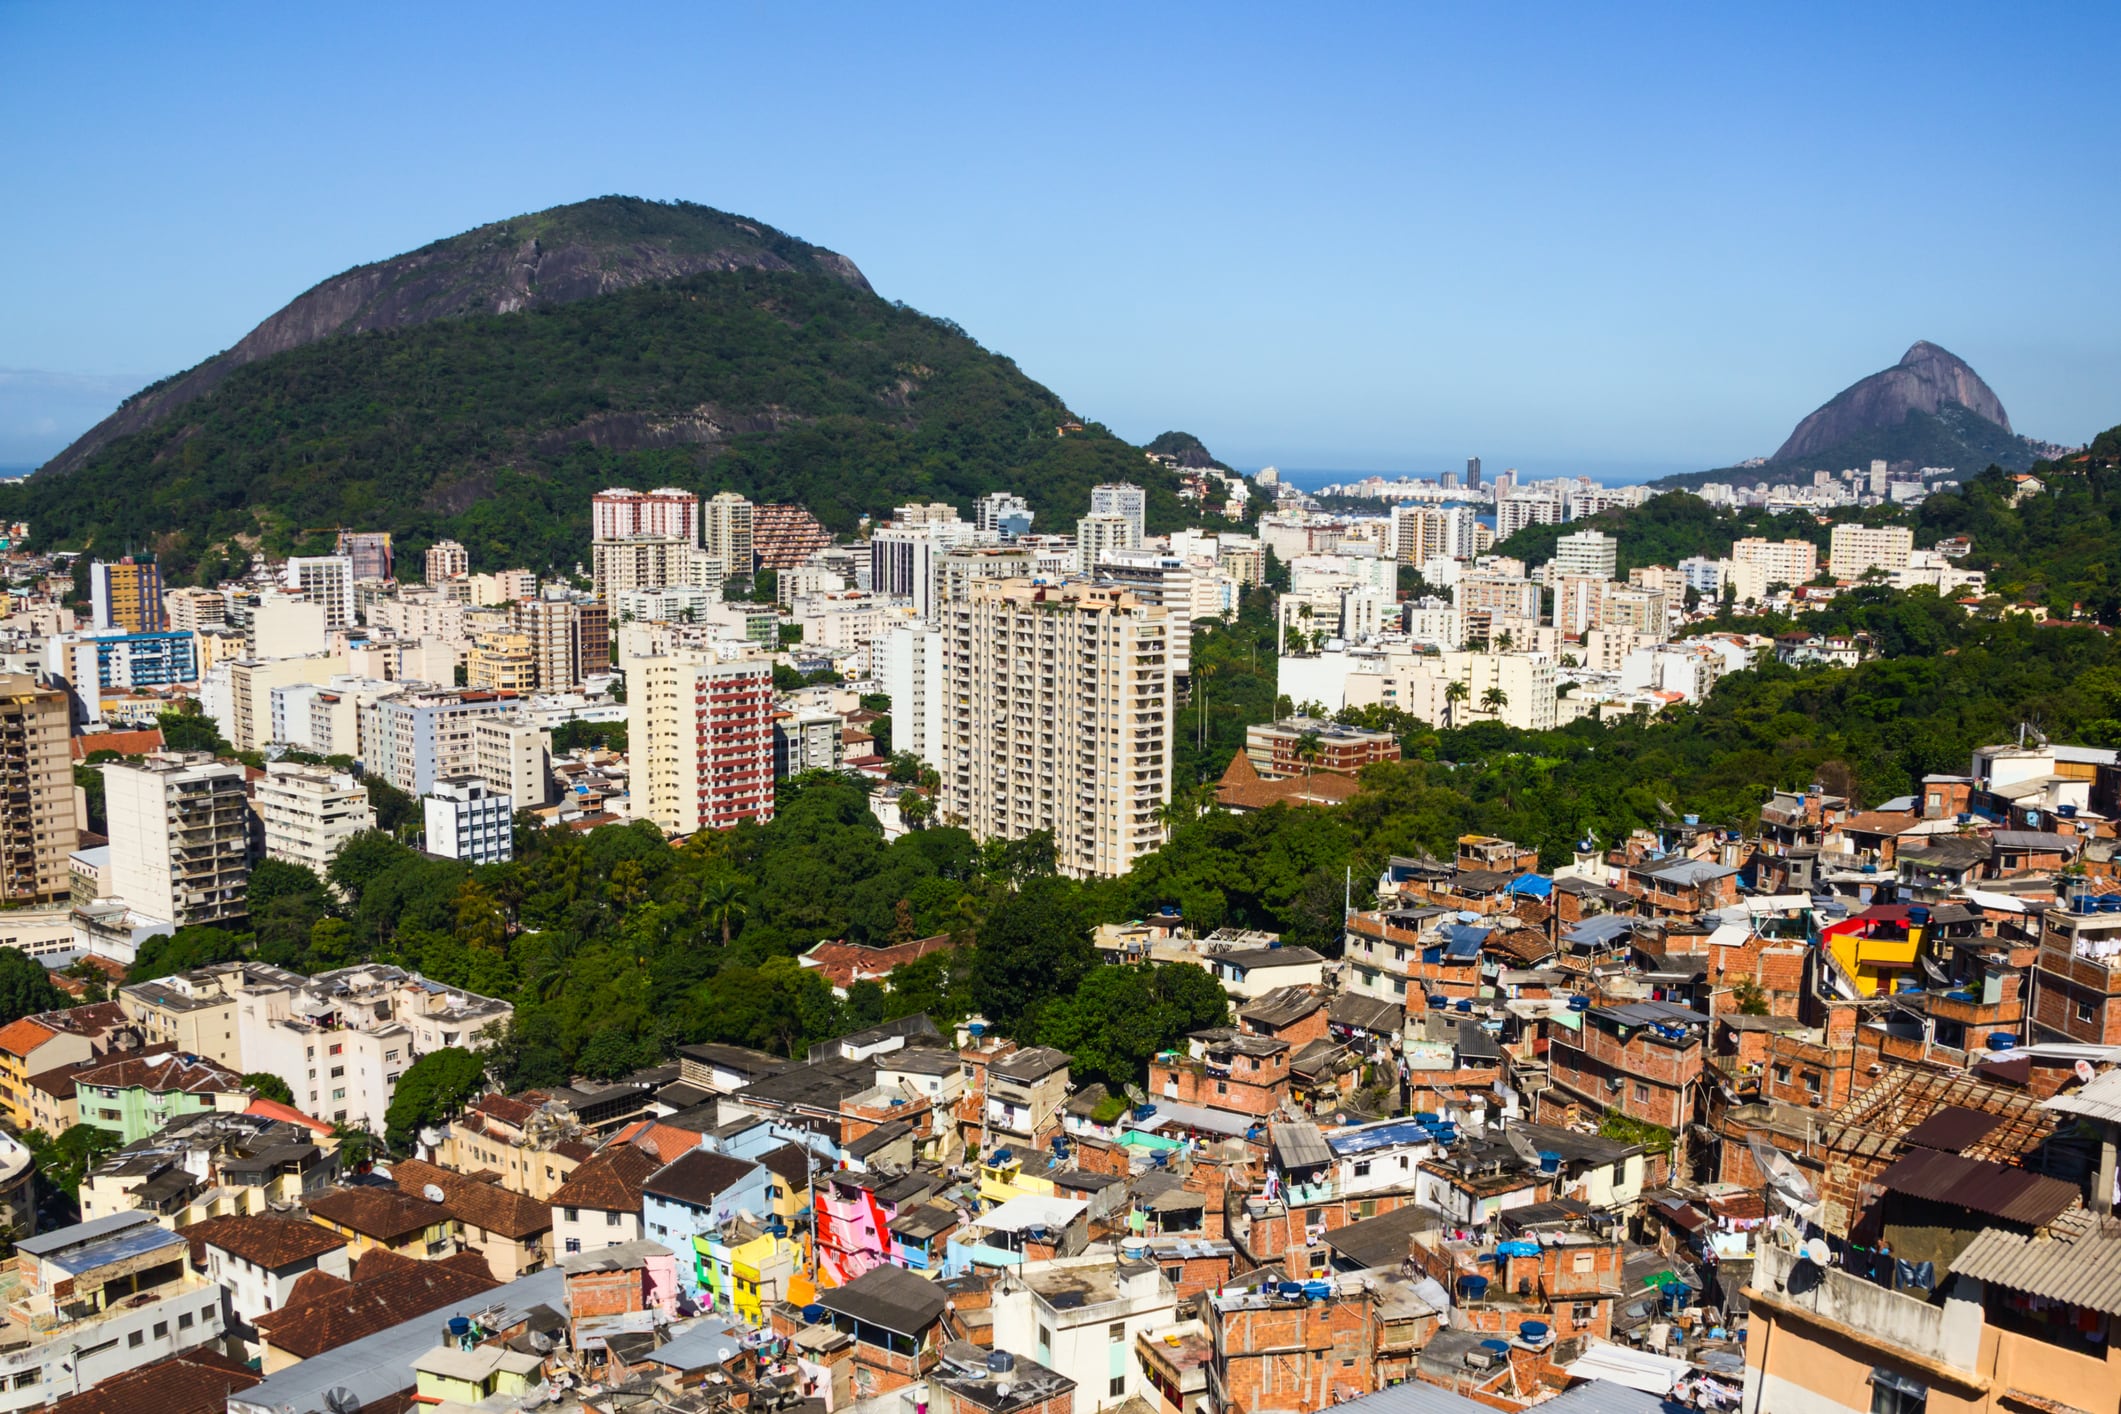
column 1978, row 1186
column 1953, row 1129
column 2078, row 1263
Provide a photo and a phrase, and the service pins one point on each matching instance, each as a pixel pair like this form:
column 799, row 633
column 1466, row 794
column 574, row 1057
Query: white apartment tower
column 1590, row 553
column 728, row 533
column 309, row 812
column 913, row 677
column 1855, row 550
column 989, row 511
column 1123, row 499
column 179, row 837
column 446, row 559
column 700, row 740
column 1057, row 716
column 666, row 513
column 1786, row 562
column 1099, row 534
column 326, row 580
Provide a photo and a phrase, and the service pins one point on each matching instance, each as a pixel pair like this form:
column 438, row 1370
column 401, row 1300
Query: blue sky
column 1567, row 237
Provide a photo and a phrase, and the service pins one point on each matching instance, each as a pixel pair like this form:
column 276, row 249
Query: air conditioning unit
column 1480, row 1359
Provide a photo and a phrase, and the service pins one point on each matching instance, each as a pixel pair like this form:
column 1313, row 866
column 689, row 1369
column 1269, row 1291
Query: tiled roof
column 380, row 1214
column 511, row 1112
column 663, row 1142
column 697, row 1177
column 398, row 1291
column 163, row 1075
column 609, row 1181
column 196, row 1382
column 475, row 1202
column 790, row 1163
column 268, row 1242
column 843, row 964
column 21, row 1036
column 91, row 1020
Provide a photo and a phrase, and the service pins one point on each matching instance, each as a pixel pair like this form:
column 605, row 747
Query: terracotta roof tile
column 479, row 1204
column 269, row 1242
column 609, row 1181
column 20, row 1037
column 196, row 1382
column 380, row 1214
column 398, row 1292
column 91, row 1020
column 163, row 1075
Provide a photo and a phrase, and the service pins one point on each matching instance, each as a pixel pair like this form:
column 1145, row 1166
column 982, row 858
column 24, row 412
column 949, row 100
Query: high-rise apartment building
column 1784, row 562
column 1099, row 534
column 623, row 566
column 326, row 580
column 700, row 740
column 309, row 812
column 1473, row 473
column 501, row 662
column 195, row 610
column 730, row 528
column 1518, row 509
column 416, row 739
column 513, row 755
column 913, row 677
column 369, row 551
column 903, row 558
column 1855, row 550
column 1590, row 553
column 446, row 559
column 783, row 537
column 569, row 638
column 179, row 837
column 126, row 594
column 1123, row 499
column 37, row 831
column 665, row 513
column 1424, row 533
column 467, row 819
column 1057, row 716
column 992, row 509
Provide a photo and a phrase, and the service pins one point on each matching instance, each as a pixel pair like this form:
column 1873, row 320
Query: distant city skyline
column 1338, row 238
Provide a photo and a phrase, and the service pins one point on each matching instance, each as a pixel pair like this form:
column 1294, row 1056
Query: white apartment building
column 1497, row 595
column 991, row 509
column 326, row 580
column 417, row 738
column 1704, row 576
column 1591, row 553
column 1785, row 562
column 310, row 811
column 341, row 1039
column 1423, row 533
column 420, row 613
column 666, row 513
column 179, row 837
column 843, row 622
column 1854, row 551
column 469, row 821
column 617, row 567
column 445, row 560
column 195, row 610
column 1420, row 685
column 1081, row 1316
column 1098, row 536
column 912, row 673
column 1125, row 500
column 700, row 739
column 903, row 557
column 289, row 626
column 1518, row 509
column 1057, row 711
column 513, row 756
column 726, row 526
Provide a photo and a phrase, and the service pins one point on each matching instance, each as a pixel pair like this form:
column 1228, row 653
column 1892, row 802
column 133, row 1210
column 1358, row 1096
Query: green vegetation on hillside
column 496, row 430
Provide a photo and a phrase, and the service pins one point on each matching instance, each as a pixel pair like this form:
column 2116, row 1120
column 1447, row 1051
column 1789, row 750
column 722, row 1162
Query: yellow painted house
column 1002, row 1177
column 447, row 1373
column 1878, row 947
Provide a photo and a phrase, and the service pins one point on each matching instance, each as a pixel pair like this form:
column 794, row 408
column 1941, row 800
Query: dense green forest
column 497, row 429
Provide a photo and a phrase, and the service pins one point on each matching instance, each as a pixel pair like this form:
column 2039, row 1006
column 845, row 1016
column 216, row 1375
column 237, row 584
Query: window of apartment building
column 2084, row 1012
column 611, row 1219
column 1116, row 1332
column 1118, row 1386
column 1045, row 1338
column 574, row 1244
column 338, row 1072
column 1222, row 1087
column 390, row 1055
column 1172, row 1274
column 312, row 1053
column 1642, row 1092
column 184, row 1320
column 1362, row 1168
column 135, row 1340
column 1583, row 1312
column 1782, row 1075
column 338, row 1047
column 161, row 1330
column 574, row 1215
column 1811, row 1082
column 28, row 1378
column 339, row 1094
column 1893, row 1393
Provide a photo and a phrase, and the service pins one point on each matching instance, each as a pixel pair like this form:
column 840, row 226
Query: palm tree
column 1494, row 700
column 1453, row 694
column 1307, row 751
column 1504, row 641
column 722, row 904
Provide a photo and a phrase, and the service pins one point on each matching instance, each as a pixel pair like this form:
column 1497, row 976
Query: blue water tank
column 1533, row 1331
column 1579, row 1003
column 2001, row 1041
column 1472, row 1286
column 1464, row 1004
column 1500, row 1347
column 813, row 1313
column 1318, row 1290
column 1549, row 1161
column 1289, row 1290
column 460, row 1325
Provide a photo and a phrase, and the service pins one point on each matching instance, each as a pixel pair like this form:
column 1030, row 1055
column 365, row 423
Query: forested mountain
column 773, row 371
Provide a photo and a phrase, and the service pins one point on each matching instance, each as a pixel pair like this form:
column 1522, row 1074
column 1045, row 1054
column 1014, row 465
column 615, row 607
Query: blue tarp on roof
column 1530, row 886
column 1464, row 940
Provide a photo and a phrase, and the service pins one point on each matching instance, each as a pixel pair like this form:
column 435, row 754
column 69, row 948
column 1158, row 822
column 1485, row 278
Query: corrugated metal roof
column 1413, row 1397
column 2080, row 1264
column 1609, row 1397
column 1994, row 1189
column 1953, row 1129
column 2099, row 1099
column 1300, row 1145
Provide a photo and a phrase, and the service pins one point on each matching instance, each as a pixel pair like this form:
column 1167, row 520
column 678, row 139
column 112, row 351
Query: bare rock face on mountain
column 1926, row 380
column 551, row 257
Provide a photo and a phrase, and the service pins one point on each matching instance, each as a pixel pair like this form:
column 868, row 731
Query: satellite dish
column 2085, row 1071
column 1522, row 1147
column 341, row 1400
column 1817, row 1252
column 433, row 1194
column 430, row 1136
